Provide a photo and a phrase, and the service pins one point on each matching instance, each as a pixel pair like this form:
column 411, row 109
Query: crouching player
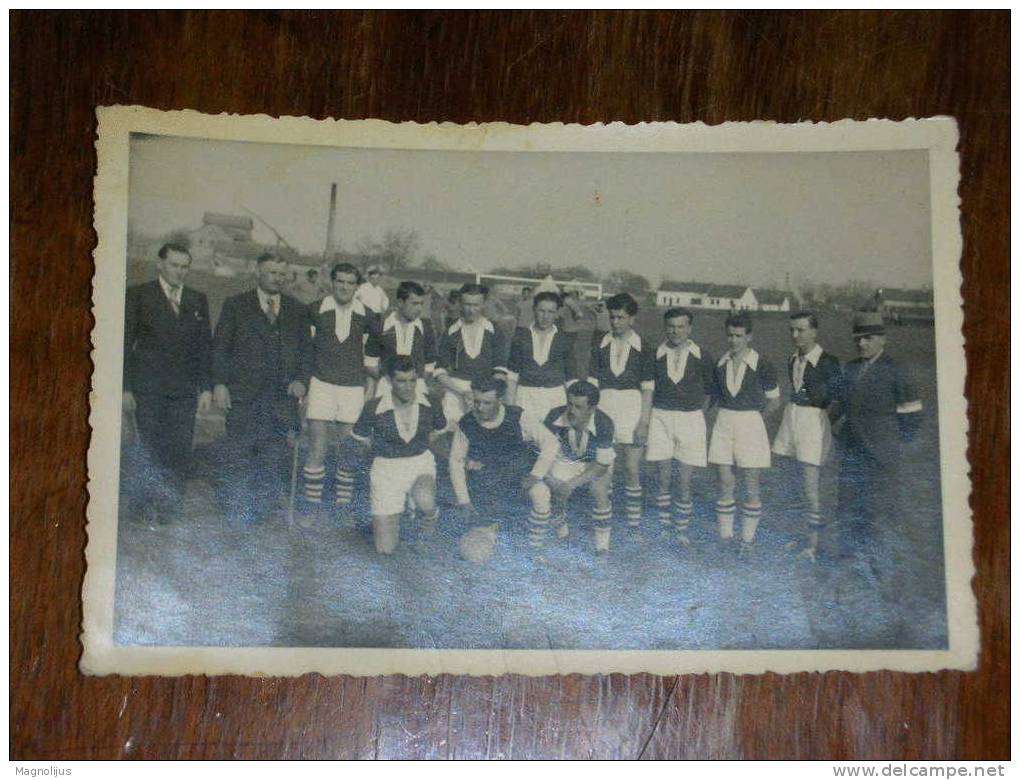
column 684, row 386
column 805, row 433
column 398, row 426
column 540, row 360
column 621, row 367
column 746, row 383
column 585, row 435
column 494, row 470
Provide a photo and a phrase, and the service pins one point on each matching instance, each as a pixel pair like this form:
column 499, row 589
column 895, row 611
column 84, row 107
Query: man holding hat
column 880, row 409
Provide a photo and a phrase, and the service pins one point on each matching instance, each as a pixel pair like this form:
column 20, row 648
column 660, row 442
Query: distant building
column 700, row 295
column 218, row 235
column 772, row 300
column 902, row 305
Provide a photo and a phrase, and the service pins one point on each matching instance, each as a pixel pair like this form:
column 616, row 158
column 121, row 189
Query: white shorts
column 383, row 386
column 739, row 439
column 453, row 407
column 624, row 409
column 804, row 434
column 539, row 401
column 565, row 470
column 678, row 435
column 335, row 403
column 391, row 480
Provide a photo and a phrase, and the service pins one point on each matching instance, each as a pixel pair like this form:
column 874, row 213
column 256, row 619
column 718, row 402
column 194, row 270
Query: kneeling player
column 684, row 386
column 399, row 426
column 493, row 467
column 746, row 384
column 585, row 436
column 805, row 432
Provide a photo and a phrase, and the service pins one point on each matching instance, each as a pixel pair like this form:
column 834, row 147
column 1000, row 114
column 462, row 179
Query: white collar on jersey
column 552, row 330
column 484, row 322
column 563, row 422
column 813, row 356
column 329, row 304
column 632, row 338
column 393, row 319
column 665, row 349
column 387, row 404
column 750, row 358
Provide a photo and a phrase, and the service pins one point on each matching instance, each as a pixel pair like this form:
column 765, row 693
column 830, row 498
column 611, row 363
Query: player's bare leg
column 385, row 533
column 683, row 505
column 751, row 510
column 725, row 506
column 602, row 514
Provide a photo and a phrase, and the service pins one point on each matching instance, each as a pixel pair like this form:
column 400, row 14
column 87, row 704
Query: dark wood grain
column 519, row 67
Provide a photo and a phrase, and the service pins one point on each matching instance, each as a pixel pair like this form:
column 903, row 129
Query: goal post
column 512, row 285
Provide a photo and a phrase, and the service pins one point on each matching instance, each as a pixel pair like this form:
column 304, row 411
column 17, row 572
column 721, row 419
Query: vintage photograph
column 375, row 397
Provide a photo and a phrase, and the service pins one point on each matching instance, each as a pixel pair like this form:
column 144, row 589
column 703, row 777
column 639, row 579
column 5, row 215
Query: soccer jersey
column 416, row 340
column 506, row 445
column 472, row 351
column 592, row 445
column 398, row 433
column 746, row 384
column 622, row 364
column 540, row 359
column 684, row 377
column 339, row 336
column 814, row 378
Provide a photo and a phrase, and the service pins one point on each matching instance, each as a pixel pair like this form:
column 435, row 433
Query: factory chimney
column 331, row 226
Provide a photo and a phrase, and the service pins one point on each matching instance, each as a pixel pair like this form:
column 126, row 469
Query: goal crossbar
column 586, row 289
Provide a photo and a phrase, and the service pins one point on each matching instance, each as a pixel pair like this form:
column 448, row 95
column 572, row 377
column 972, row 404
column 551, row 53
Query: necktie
column 272, row 310
column 175, row 300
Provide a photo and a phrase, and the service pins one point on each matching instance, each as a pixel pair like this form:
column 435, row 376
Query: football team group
column 528, row 441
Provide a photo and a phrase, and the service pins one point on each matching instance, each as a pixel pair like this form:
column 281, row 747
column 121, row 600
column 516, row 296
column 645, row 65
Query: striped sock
column 429, row 521
column 344, row 487
column 725, row 511
column 559, row 523
column 313, row 479
column 538, row 526
column 662, row 502
column 602, row 520
column 751, row 516
column 682, row 511
column 633, row 504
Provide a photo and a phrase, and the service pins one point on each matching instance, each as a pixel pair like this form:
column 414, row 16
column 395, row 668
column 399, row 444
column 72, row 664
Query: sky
column 729, row 218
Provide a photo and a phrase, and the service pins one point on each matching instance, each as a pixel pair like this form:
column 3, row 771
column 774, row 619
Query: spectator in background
column 371, row 294
column 525, row 308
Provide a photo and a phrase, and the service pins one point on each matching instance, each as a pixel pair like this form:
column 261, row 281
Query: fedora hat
column 868, row 323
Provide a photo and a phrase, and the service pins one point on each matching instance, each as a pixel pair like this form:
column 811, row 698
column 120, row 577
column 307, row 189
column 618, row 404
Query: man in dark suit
column 882, row 410
column 167, row 347
column 261, row 363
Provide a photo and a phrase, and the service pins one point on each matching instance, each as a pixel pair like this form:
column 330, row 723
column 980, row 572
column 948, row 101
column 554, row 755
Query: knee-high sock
column 682, row 511
column 538, row 526
column 313, row 479
column 633, row 506
column 429, row 520
column 602, row 521
column 662, row 502
column 344, row 486
column 725, row 512
column 750, row 517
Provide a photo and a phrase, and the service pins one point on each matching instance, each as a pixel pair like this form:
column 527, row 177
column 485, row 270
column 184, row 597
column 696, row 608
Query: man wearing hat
column 372, row 296
column 880, row 410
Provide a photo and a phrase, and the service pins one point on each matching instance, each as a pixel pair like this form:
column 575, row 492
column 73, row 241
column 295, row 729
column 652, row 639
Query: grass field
column 200, row 583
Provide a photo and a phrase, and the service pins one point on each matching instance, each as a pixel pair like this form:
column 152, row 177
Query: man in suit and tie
column 261, row 363
column 167, row 345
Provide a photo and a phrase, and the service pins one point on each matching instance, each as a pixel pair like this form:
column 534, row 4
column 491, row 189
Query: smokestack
column 331, row 227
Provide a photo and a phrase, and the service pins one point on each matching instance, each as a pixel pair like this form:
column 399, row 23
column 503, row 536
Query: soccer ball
column 478, row 544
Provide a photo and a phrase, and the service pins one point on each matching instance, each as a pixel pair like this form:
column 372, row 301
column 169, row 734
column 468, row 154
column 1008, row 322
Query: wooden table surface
column 460, row 67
